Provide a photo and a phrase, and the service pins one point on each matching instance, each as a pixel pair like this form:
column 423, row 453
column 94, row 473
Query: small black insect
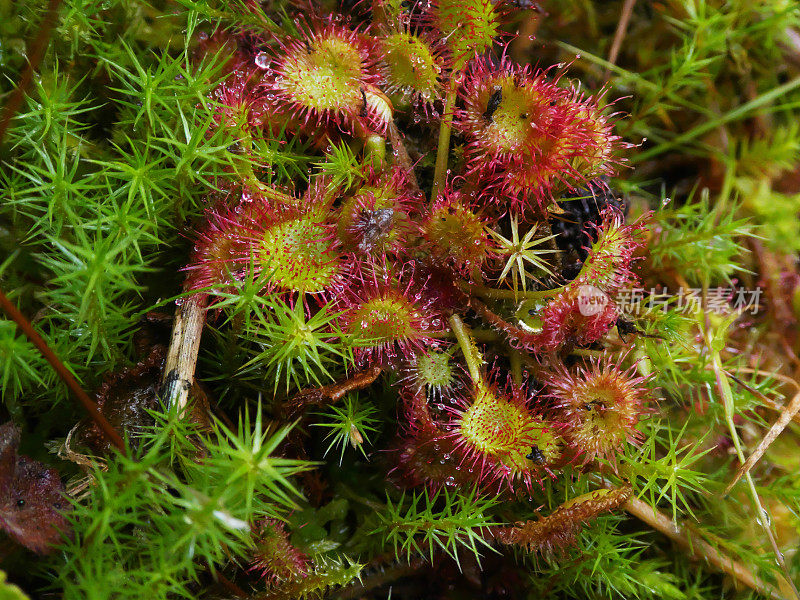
column 595, row 404
column 536, row 456
column 625, row 327
column 494, row 102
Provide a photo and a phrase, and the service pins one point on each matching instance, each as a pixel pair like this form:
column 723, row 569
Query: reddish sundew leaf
column 552, row 534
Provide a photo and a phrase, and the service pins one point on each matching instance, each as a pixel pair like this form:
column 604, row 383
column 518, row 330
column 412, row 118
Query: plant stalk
column 471, row 355
column 496, row 294
column 443, row 149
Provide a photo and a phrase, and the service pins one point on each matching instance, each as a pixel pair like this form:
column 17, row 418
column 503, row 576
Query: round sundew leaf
column 384, row 320
column 368, row 223
column 386, row 315
column 527, row 137
column 220, row 256
column 458, row 235
column 297, row 255
column 607, row 411
column 411, row 66
column 221, row 252
column 601, row 404
column 434, row 370
column 375, row 219
column 495, row 426
column 325, row 75
column 512, row 115
column 520, row 120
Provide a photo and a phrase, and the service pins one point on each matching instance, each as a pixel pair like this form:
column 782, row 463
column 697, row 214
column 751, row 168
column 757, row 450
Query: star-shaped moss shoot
column 295, row 349
column 411, row 66
column 599, row 404
column 327, row 76
column 520, row 255
column 468, row 27
column 457, row 234
column 500, row 436
column 385, row 315
column 527, row 135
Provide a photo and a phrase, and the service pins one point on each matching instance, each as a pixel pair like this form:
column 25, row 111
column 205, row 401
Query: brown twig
column 63, row 373
column 726, row 397
column 184, row 345
column 331, row 393
column 698, row 547
column 619, row 34
column 778, row 376
column 35, row 56
column 768, row 402
column 789, row 411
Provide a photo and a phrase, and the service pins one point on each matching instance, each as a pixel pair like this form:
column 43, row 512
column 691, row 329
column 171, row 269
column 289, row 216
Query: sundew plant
column 440, row 299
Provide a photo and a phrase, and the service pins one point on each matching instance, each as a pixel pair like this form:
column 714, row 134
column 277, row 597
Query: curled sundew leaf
column 554, row 532
column 274, row 557
column 31, row 497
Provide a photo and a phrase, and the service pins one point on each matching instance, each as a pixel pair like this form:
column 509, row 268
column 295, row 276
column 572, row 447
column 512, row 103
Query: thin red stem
column 35, row 56
column 62, row 372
